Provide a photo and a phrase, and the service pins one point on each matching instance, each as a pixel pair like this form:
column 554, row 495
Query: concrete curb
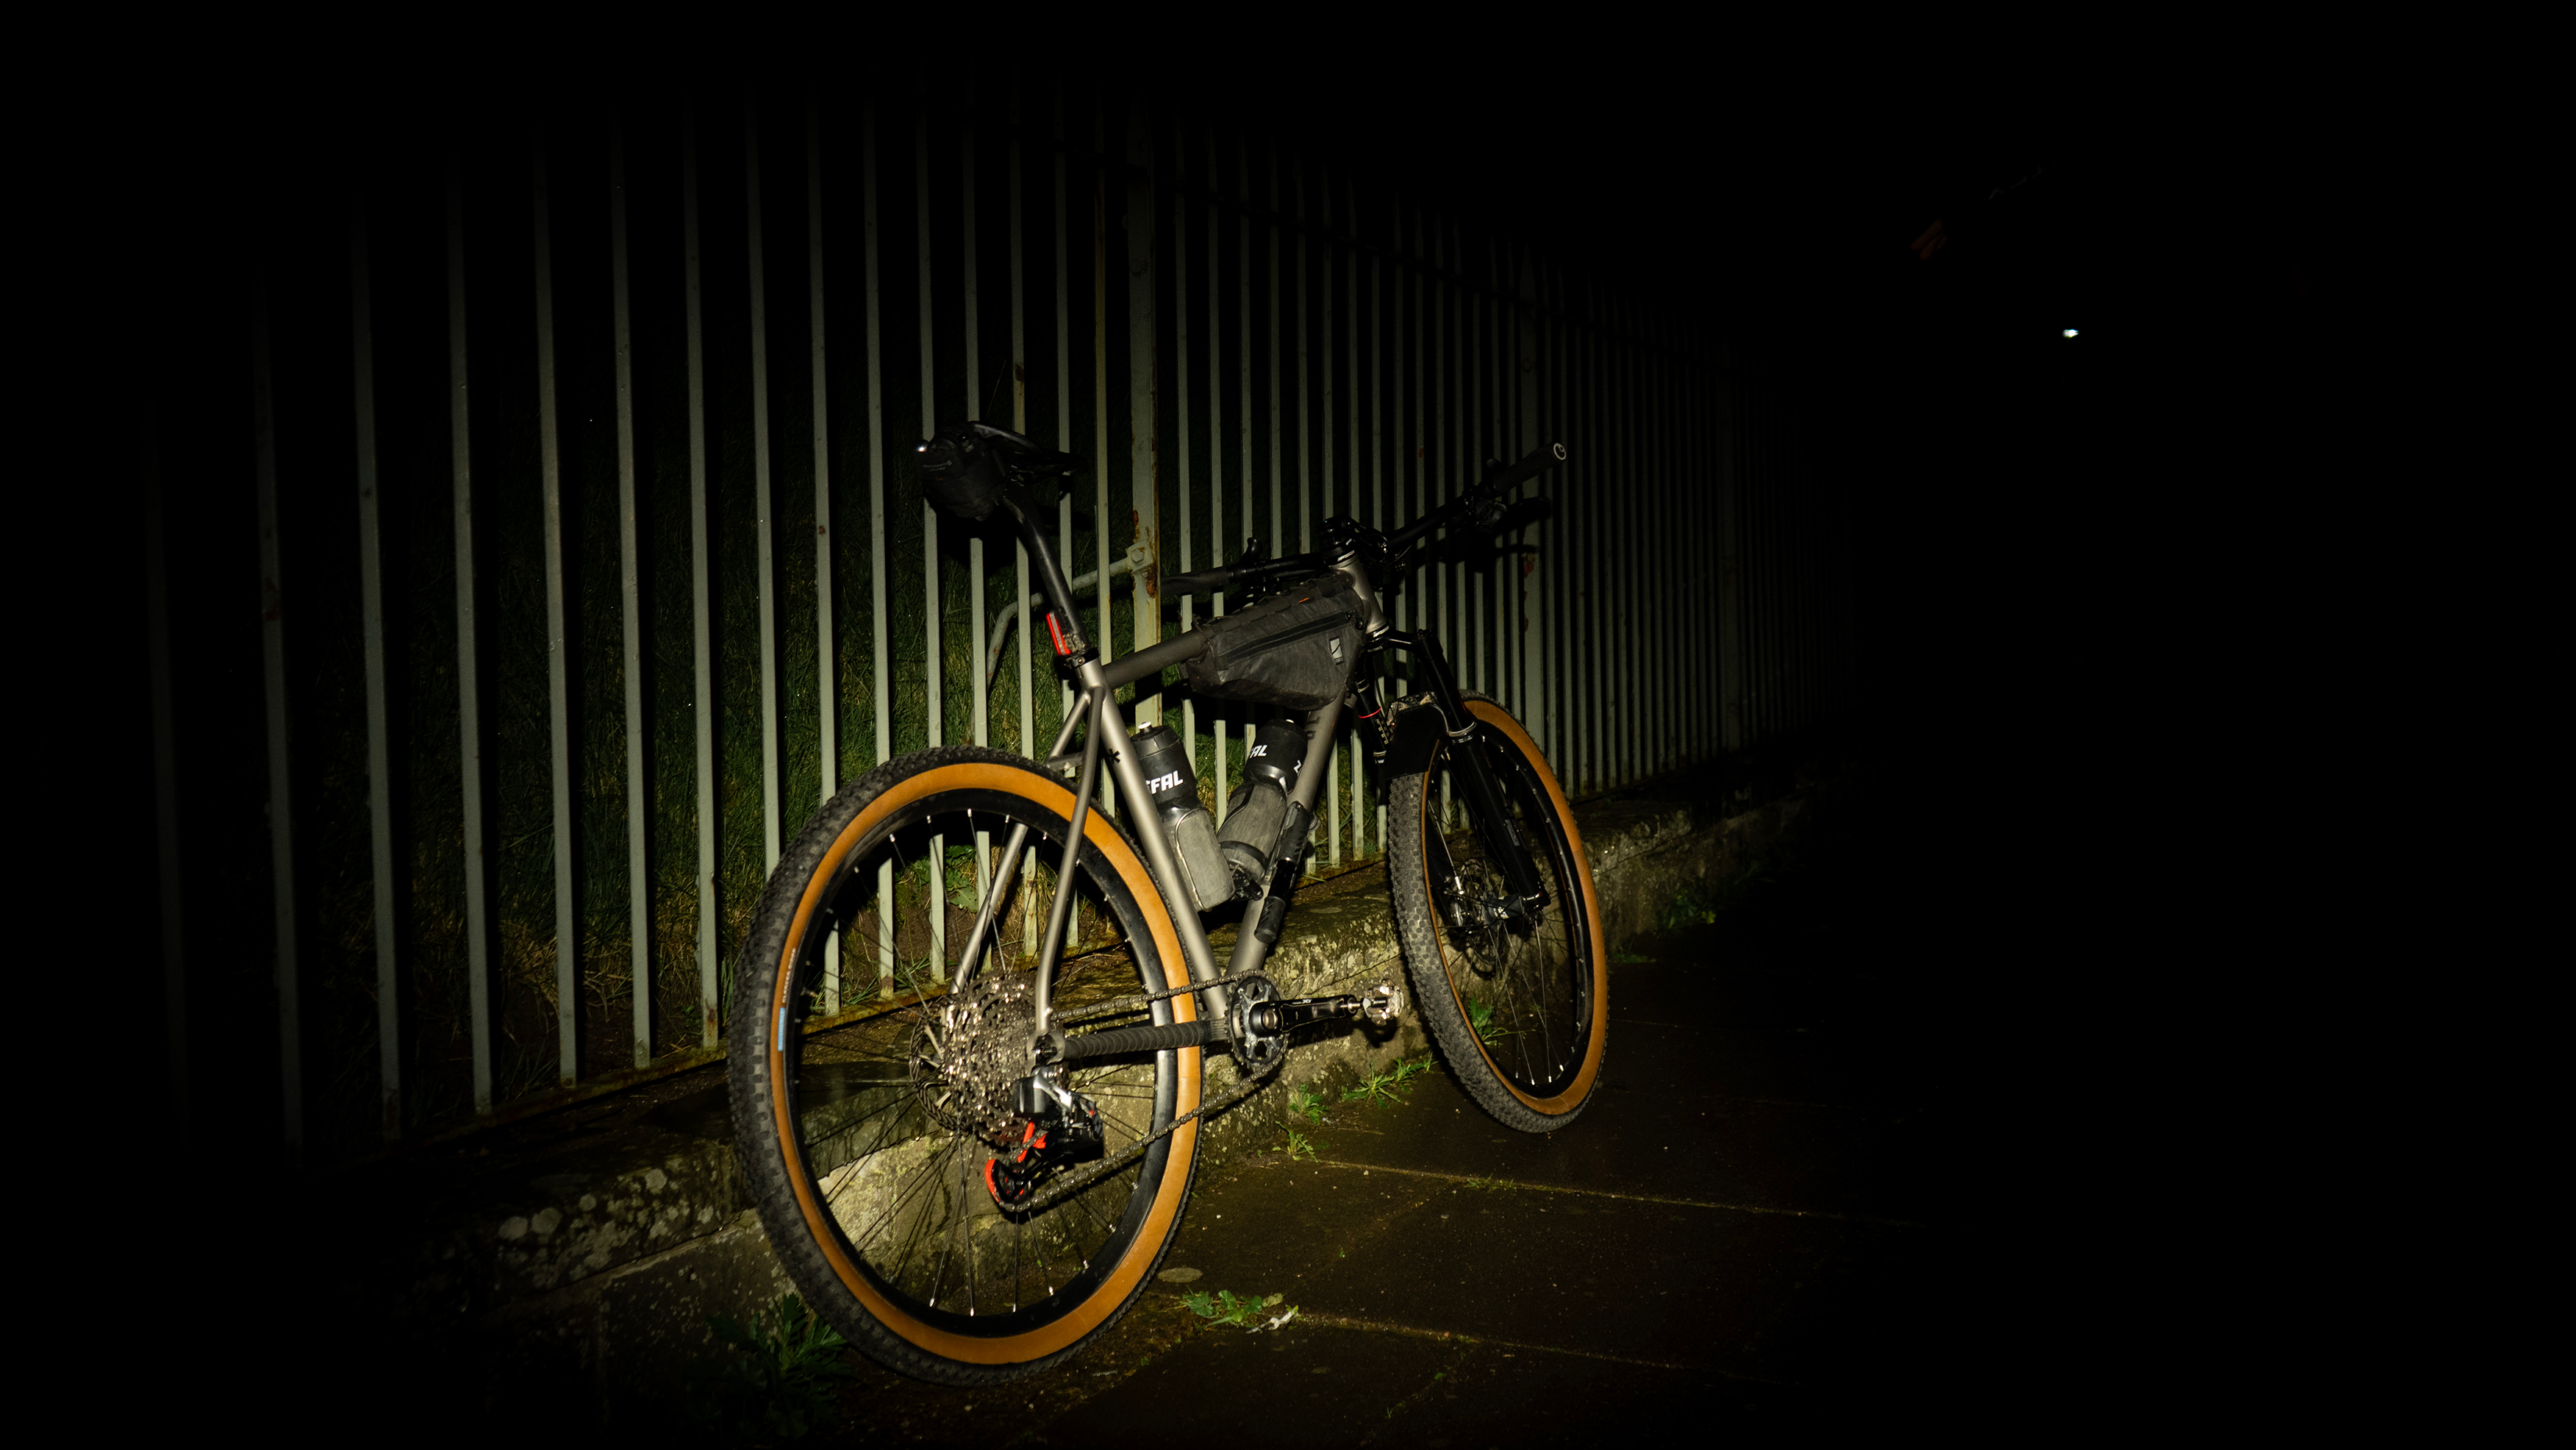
column 597, row 1265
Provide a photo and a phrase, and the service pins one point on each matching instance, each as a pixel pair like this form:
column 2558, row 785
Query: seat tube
column 1111, row 722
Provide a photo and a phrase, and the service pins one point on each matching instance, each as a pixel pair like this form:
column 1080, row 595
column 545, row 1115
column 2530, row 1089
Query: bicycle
column 976, row 1173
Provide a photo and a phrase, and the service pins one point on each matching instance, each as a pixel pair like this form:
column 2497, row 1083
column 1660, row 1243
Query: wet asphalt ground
column 1781, row 1203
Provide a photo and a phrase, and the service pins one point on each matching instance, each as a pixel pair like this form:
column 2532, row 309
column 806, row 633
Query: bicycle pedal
column 1382, row 1003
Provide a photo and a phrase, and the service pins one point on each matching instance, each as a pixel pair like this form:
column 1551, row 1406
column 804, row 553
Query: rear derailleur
column 1058, row 1128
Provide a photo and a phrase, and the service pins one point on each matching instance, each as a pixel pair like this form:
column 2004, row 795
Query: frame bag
column 1294, row 650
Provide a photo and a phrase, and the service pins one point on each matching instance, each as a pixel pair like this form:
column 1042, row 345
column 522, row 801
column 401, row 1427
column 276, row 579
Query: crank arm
column 1380, row 1004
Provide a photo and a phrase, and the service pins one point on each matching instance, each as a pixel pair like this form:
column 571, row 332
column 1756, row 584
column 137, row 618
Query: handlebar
column 1540, row 460
column 1475, row 499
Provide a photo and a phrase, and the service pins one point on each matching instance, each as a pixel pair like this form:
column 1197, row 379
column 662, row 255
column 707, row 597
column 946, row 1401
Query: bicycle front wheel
column 872, row 1070
column 1517, row 1005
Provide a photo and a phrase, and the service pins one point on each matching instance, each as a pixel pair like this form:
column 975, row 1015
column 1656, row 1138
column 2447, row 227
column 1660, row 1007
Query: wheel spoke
column 896, row 1103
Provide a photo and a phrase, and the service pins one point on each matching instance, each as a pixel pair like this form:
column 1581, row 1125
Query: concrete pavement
column 1764, row 1211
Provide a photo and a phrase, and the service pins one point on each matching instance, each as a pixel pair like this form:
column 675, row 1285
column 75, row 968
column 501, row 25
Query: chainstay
column 1094, row 1173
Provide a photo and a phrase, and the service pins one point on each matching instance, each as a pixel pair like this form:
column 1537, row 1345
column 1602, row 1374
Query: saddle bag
column 1293, row 650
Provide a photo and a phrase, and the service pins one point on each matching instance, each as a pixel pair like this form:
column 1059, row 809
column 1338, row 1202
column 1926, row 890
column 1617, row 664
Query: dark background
column 2066, row 542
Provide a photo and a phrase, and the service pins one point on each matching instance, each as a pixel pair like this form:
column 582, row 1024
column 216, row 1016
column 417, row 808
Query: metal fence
column 591, row 559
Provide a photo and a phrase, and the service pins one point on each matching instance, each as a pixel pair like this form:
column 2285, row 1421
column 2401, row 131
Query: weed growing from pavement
column 1223, row 1307
column 1696, row 905
column 769, row 1383
column 1388, row 1086
column 1300, row 1146
column 1480, row 1017
column 1306, row 1103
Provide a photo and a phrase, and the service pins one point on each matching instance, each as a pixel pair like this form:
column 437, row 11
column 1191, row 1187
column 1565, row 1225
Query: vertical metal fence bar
column 1573, row 402
column 1243, row 346
column 1703, row 546
column 1144, row 464
column 1621, row 417
column 1539, row 426
column 1020, row 552
column 1683, row 512
column 1621, row 379
column 1492, row 591
column 1181, row 404
column 976, row 594
column 630, row 591
column 974, row 363
column 1063, row 365
column 1216, row 430
column 1494, row 609
column 763, row 504
column 879, row 524
column 1599, row 602
column 281, row 819
column 371, row 625
column 1426, row 580
column 1492, row 318
column 1278, row 474
column 558, row 706
column 1729, row 613
column 469, row 711
column 1100, row 397
column 1437, row 470
column 1632, row 557
column 1377, row 424
column 1686, row 500
column 1306, row 482
column 1351, row 479
column 1321, row 440
column 1600, row 599
column 1694, row 492
column 1654, row 534
column 933, row 691
column 827, row 692
column 702, row 645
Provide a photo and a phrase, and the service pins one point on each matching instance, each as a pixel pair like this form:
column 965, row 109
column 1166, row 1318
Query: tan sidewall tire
column 1418, row 927
column 765, row 1128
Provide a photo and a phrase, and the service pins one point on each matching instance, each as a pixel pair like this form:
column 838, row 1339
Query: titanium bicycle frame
column 1409, row 745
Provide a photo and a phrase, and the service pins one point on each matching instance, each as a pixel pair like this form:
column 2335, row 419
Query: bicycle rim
column 884, row 1106
column 1525, row 1001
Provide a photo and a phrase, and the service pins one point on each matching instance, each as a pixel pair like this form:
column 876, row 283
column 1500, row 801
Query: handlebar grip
column 1205, row 581
column 1540, row 460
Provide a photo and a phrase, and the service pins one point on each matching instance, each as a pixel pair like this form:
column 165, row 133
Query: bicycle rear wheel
column 869, row 1099
column 1518, row 1007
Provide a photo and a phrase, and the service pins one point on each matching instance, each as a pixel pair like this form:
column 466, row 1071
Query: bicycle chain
column 1116, row 1005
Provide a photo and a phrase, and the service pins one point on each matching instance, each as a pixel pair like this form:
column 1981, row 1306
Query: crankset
column 1262, row 1022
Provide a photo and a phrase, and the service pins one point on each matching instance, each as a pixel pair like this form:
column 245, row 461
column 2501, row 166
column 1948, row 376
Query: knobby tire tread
column 1419, row 931
column 765, row 1169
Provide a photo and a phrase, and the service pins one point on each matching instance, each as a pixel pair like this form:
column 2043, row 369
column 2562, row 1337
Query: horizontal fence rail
column 591, row 557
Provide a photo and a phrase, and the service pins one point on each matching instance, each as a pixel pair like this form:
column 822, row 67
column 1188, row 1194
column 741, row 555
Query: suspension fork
column 1474, row 770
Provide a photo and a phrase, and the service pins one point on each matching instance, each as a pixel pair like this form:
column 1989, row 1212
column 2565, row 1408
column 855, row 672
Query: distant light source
column 2070, row 332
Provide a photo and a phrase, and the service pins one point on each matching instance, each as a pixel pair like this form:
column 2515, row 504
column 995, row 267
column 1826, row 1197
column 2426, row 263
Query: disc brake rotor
column 1474, row 905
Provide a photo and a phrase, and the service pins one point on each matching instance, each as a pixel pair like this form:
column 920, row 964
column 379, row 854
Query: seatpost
column 1059, row 591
